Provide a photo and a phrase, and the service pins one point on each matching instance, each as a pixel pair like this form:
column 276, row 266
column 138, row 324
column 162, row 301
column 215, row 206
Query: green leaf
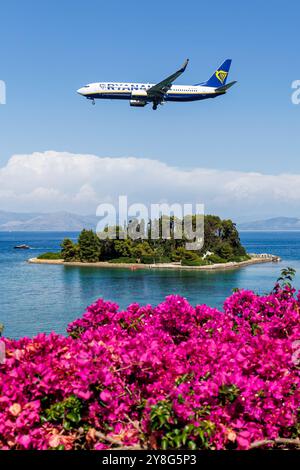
column 192, row 445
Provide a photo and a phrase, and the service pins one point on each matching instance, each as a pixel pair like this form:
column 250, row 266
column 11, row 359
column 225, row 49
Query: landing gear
column 93, row 102
column 154, row 107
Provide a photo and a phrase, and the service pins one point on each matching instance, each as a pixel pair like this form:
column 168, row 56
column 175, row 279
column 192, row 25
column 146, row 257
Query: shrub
column 215, row 259
column 148, row 259
column 238, row 259
column 191, row 258
column 170, row 376
column 123, row 260
column 51, row 256
column 69, row 250
column 193, row 262
column 225, row 251
column 163, row 259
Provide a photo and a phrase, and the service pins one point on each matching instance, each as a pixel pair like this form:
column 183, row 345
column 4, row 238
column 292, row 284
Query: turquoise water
column 39, row 298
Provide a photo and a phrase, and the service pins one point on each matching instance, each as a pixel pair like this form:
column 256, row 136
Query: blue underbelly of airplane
column 168, row 97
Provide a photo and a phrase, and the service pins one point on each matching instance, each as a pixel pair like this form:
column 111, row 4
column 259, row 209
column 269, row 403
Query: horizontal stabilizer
column 224, row 88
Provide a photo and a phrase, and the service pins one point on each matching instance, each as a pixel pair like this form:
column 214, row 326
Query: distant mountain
column 67, row 222
column 276, row 223
column 52, row 222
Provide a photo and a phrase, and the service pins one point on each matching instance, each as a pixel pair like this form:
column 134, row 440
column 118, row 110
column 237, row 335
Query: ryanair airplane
column 140, row 94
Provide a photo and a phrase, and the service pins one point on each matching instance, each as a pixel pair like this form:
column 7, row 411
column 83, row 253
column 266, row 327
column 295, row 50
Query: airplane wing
column 158, row 90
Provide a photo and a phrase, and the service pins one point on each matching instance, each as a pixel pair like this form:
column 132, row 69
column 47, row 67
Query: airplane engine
column 138, row 103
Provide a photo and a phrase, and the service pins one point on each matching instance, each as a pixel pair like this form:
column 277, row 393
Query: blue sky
column 51, row 48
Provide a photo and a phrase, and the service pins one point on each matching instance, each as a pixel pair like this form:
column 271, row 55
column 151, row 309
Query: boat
column 21, row 247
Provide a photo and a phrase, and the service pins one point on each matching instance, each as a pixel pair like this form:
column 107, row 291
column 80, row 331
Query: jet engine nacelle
column 138, row 103
column 138, row 94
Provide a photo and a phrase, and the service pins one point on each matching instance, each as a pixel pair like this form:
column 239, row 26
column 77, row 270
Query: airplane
column 140, row 94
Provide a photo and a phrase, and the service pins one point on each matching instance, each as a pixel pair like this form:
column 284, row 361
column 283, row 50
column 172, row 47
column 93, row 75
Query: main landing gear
column 156, row 103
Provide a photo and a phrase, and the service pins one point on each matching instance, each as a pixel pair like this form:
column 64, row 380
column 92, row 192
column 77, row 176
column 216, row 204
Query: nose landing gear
column 154, row 107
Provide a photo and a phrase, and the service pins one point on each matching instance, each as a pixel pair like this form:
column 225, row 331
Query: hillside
column 275, row 223
column 34, row 222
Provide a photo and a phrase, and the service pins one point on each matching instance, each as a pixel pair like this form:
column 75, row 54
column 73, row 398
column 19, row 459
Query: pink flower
column 231, row 372
column 105, row 396
column 24, row 441
column 15, row 409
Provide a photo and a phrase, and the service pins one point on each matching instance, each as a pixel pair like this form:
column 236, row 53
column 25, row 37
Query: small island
column 221, row 249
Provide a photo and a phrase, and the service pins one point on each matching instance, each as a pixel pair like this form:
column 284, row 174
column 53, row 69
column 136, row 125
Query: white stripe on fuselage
column 140, row 89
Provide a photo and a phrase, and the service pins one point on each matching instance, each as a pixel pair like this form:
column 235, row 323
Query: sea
column 43, row 298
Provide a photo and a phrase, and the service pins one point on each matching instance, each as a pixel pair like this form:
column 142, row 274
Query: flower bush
column 170, row 376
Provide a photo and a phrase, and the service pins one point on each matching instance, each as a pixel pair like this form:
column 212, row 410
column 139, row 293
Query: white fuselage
column 137, row 92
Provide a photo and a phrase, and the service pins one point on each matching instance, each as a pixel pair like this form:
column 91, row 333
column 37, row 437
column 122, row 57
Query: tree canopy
column 221, row 244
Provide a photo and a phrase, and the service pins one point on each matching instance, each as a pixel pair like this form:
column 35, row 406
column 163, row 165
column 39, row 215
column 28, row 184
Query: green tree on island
column 89, row 246
column 221, row 244
column 69, row 250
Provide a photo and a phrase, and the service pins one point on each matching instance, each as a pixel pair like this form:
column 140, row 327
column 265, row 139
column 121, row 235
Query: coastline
column 170, row 266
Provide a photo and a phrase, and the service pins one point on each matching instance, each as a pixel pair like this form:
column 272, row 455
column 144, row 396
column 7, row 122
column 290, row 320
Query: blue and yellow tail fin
column 219, row 78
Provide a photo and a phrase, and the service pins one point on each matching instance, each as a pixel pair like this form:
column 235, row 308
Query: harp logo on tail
column 221, row 75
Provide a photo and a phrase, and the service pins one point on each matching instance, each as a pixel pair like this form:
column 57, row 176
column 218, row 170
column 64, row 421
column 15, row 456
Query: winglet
column 185, row 65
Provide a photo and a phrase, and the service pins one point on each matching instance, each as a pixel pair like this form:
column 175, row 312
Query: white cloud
column 52, row 181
